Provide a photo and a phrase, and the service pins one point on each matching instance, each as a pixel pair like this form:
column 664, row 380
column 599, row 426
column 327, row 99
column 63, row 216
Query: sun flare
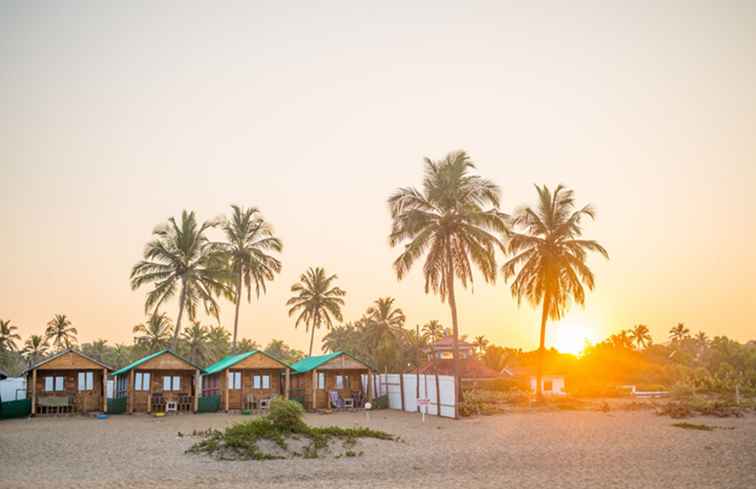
column 571, row 336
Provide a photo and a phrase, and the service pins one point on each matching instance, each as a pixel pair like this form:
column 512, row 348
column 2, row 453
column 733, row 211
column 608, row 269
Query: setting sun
column 570, row 336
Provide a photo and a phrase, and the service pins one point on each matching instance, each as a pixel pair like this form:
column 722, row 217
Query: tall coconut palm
column 641, row 336
column 250, row 239
column 549, row 262
column 155, row 333
column 678, row 333
column 317, row 301
column 702, row 339
column 219, row 342
column 196, row 342
column 385, row 329
column 8, row 336
column 480, row 343
column 181, row 259
column 61, row 332
column 98, row 349
column 433, row 331
column 454, row 222
column 35, row 348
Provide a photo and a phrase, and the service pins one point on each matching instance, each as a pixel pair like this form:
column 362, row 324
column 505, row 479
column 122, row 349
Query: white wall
column 557, row 384
column 10, row 388
column 390, row 384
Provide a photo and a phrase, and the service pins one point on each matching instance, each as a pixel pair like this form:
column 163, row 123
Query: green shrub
column 286, row 415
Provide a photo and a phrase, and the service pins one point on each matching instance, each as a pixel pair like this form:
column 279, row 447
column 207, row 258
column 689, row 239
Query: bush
column 286, row 415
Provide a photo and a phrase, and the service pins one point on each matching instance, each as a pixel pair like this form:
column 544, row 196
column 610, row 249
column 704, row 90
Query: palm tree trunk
column 312, row 339
column 238, row 302
column 178, row 318
column 542, row 347
column 455, row 331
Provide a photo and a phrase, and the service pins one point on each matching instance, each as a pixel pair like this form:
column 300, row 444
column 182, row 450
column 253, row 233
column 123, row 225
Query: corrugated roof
column 231, row 360
column 150, row 357
column 309, row 363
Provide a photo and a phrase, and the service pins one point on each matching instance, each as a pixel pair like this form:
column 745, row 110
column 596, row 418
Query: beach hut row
column 72, row 382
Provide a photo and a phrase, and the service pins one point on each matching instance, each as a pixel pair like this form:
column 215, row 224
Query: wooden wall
column 305, row 381
column 156, row 385
column 85, row 401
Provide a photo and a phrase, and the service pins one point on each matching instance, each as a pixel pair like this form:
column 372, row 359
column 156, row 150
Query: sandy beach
column 524, row 450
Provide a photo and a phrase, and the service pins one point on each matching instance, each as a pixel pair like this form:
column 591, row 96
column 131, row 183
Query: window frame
column 88, row 381
column 321, row 381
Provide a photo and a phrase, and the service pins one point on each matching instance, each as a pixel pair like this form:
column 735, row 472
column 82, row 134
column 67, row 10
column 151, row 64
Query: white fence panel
column 406, row 388
column 13, row 388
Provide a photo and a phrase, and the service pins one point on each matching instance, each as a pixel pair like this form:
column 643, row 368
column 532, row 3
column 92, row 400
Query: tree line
column 453, row 223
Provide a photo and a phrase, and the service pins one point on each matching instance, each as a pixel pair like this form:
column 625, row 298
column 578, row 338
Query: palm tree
column 549, row 262
column 678, row 333
column 433, row 331
column 35, row 348
column 8, row 336
column 702, row 339
column 641, row 336
column 622, row 340
column 155, row 333
column 196, row 342
column 384, row 327
column 480, row 343
column 244, row 345
column 98, row 349
column 181, row 258
column 218, row 342
column 60, row 331
column 250, row 239
column 317, row 300
column 453, row 222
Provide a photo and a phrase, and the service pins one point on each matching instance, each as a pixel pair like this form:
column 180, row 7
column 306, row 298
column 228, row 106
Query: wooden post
column 241, row 390
column 197, row 389
column 314, row 389
column 287, row 386
column 105, row 390
column 401, row 388
column 34, row 392
column 225, row 395
column 149, row 393
column 130, row 391
column 370, row 386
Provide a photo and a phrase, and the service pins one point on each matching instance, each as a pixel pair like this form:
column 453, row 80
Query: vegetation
column 181, row 258
column 286, row 433
column 61, row 332
column 455, row 223
column 549, row 263
column 250, row 239
column 317, row 301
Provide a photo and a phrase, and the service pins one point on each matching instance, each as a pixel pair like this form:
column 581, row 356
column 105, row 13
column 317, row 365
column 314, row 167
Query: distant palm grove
column 452, row 229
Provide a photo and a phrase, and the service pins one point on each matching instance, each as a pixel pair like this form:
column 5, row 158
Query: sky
column 117, row 117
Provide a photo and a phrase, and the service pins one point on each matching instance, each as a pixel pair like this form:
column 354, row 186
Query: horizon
column 119, row 118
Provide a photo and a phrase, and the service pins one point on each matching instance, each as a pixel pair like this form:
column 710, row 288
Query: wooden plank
column 130, row 391
column 34, row 392
column 166, row 361
column 105, row 390
column 288, row 383
column 71, row 361
column 343, row 362
column 370, row 386
column 259, row 361
column 149, row 394
column 197, row 389
column 314, row 389
column 225, row 389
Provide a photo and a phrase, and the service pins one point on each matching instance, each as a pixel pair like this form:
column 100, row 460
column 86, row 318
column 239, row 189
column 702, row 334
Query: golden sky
column 116, row 118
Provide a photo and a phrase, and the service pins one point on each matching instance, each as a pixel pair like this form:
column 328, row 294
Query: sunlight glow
column 570, row 335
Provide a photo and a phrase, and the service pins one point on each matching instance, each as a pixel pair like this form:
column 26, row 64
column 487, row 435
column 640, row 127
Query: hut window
column 142, row 381
column 321, row 380
column 262, row 382
column 86, row 381
column 234, row 380
column 171, row 383
column 54, row 384
column 342, row 382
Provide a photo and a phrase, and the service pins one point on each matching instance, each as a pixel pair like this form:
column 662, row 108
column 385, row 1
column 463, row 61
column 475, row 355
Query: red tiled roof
column 472, row 368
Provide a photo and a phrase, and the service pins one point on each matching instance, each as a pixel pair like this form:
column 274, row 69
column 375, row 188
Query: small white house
column 553, row 385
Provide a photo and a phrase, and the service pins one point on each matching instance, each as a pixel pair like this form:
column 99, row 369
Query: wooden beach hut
column 66, row 383
column 320, row 380
column 158, row 382
column 247, row 380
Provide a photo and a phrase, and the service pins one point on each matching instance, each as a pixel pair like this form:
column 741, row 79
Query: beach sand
column 564, row 449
